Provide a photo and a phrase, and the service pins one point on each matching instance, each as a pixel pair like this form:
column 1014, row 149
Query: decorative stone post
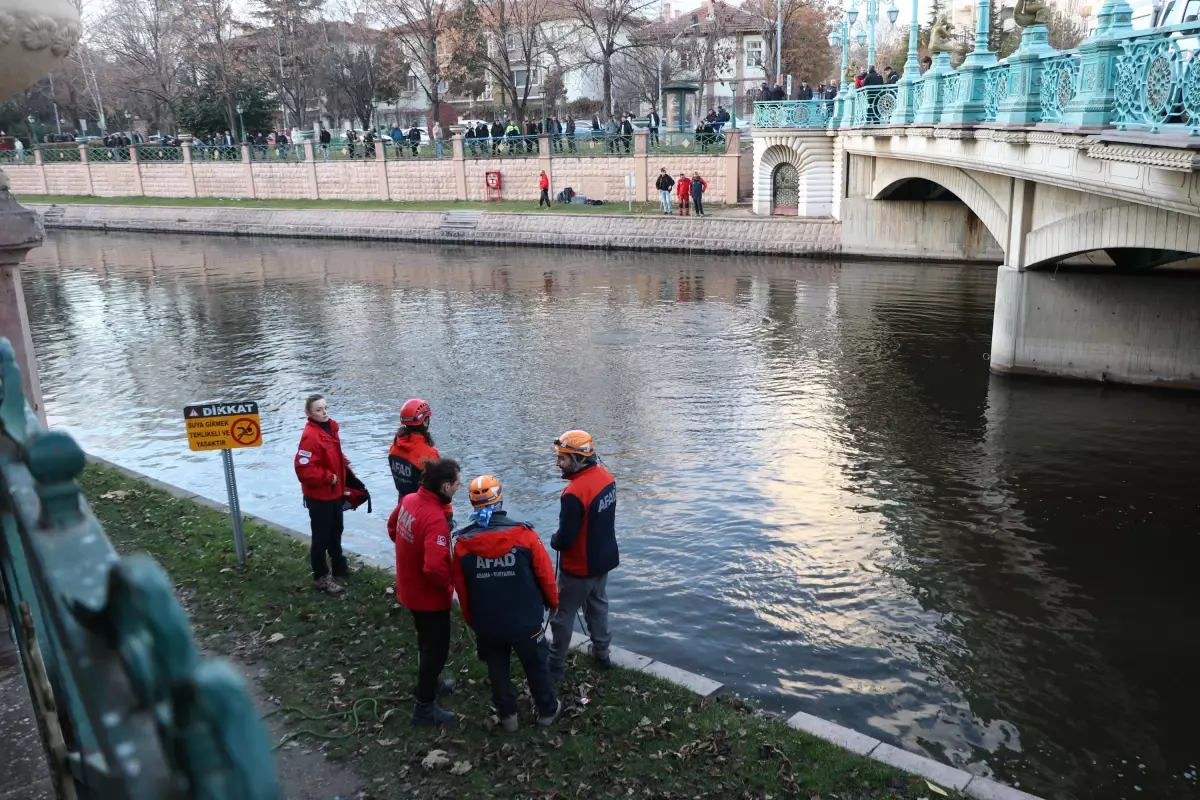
column 1093, row 104
column 35, row 35
column 906, row 88
column 967, row 104
column 1023, row 105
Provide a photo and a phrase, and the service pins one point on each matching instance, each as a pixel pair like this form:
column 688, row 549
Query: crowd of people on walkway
column 495, row 568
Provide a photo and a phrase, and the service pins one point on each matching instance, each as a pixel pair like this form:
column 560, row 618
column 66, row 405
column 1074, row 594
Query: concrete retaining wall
column 678, row 234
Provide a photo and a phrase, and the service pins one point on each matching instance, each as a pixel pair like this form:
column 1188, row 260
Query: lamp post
column 241, row 122
column 841, row 40
column 905, row 95
column 867, row 37
column 32, row 140
column 968, row 103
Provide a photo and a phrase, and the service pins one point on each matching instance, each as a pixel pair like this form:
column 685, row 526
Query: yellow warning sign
column 222, row 426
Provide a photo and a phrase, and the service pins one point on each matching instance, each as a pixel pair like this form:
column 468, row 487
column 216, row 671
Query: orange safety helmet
column 414, row 413
column 485, row 491
column 575, row 443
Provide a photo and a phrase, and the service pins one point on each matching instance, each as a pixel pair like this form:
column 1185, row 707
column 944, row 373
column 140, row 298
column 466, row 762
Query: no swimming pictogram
column 223, row 426
column 245, row 431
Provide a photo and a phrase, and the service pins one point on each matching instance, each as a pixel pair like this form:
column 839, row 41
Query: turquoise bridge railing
column 1154, row 88
column 127, row 707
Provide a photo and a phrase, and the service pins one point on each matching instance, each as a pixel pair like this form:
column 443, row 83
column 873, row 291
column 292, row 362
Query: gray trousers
column 575, row 593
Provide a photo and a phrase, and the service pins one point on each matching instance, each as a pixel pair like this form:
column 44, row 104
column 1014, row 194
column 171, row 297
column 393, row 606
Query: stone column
column 641, row 165
column 733, row 172
column 385, row 191
column 930, row 110
column 20, row 230
column 967, row 105
column 1093, row 104
column 37, row 160
column 87, row 170
column 249, row 168
column 187, row 168
column 459, row 162
column 137, row 170
column 1023, row 106
column 311, row 164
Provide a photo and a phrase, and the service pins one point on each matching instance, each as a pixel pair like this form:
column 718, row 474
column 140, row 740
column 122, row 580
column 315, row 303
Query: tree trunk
column 607, row 82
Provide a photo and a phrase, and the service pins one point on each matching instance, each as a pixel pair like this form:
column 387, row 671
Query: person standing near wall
column 653, row 123
column 420, row 529
column 664, row 184
column 323, row 470
column 587, row 542
column 683, row 190
column 438, row 141
column 544, row 187
column 697, row 188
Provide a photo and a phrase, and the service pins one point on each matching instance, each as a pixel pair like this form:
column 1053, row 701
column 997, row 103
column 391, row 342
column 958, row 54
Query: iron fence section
column 1158, row 81
column 873, row 105
column 1060, row 84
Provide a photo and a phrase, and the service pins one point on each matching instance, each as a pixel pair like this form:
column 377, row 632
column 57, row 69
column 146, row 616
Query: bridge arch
column 1127, row 227
column 894, row 173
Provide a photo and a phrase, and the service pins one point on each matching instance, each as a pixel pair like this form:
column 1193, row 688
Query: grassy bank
column 634, row 736
column 525, row 206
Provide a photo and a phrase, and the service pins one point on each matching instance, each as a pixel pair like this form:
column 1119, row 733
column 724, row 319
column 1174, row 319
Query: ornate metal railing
column 106, row 154
column 1060, row 84
column 204, row 152
column 54, row 154
column 918, row 91
column 126, row 705
column 1158, row 81
column 995, row 89
column 793, row 114
column 873, row 105
column 951, row 86
column 156, row 153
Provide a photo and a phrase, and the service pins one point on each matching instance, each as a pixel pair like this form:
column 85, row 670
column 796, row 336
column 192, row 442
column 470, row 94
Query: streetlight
column 32, row 140
column 872, row 21
column 241, row 122
column 694, row 28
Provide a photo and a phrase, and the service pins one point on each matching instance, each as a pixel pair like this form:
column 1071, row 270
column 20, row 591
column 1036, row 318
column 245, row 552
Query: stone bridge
column 1076, row 172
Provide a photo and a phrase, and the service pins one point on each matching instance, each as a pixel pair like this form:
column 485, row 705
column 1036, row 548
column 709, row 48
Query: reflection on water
column 826, row 500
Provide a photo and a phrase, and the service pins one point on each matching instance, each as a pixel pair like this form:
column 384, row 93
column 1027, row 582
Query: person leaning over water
column 587, row 543
column 324, row 472
column 421, row 531
column 505, row 583
column 412, row 448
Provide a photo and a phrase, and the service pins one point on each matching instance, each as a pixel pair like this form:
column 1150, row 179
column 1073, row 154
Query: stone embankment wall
column 818, row 238
column 458, row 176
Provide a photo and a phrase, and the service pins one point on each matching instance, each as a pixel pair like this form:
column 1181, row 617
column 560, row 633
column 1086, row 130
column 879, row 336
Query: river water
column 825, row 499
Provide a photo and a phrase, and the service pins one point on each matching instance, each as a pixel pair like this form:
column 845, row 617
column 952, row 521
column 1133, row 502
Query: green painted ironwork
column 1158, row 81
column 793, row 114
column 143, row 717
column 1060, row 84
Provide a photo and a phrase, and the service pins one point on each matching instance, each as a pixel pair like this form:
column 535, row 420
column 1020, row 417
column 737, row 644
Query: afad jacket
column 587, row 533
column 683, row 188
column 419, row 527
column 407, row 459
column 504, row 579
column 318, row 459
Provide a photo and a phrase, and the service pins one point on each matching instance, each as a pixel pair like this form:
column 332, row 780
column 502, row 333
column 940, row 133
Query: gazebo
column 681, row 91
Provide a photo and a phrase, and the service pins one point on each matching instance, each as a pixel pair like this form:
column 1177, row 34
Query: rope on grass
column 353, row 712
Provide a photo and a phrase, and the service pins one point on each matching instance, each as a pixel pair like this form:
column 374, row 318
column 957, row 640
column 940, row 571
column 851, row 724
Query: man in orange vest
column 587, row 543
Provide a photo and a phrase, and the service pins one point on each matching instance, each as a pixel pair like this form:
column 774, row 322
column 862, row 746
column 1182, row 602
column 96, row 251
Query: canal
column 826, row 501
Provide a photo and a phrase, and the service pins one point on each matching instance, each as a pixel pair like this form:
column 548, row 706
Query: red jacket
column 684, row 187
column 544, row 182
column 419, row 528
column 318, row 459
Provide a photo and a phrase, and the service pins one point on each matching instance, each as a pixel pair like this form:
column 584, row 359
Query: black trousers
column 325, row 517
column 544, row 198
column 698, row 204
column 433, row 648
column 534, row 655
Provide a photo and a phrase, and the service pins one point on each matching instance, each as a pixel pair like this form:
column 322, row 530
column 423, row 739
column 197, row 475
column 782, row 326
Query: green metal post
column 970, row 86
column 906, row 89
column 1093, row 104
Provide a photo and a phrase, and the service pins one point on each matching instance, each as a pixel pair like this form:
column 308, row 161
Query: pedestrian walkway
column 23, row 774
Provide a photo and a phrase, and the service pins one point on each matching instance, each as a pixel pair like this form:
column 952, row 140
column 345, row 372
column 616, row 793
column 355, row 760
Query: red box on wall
column 492, row 184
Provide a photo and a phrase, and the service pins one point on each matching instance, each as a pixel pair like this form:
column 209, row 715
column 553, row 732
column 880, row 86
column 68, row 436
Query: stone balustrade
column 302, row 173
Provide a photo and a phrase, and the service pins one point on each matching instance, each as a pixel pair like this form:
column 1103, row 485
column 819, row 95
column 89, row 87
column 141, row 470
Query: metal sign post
column 235, row 509
column 226, row 427
column 629, row 182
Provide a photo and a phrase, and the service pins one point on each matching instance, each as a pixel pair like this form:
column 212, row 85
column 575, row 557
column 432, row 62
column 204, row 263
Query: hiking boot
column 345, row 569
column 325, row 584
column 428, row 715
column 547, row 720
column 603, row 662
column 509, row 723
column 445, row 687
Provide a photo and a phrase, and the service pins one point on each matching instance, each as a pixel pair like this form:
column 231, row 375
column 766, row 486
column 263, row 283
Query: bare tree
column 290, row 49
column 417, row 29
column 607, row 26
column 145, row 41
column 356, row 72
column 211, row 29
column 636, row 73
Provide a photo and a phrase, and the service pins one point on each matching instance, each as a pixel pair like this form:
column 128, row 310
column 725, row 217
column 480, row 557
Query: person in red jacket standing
column 683, row 189
column 505, row 583
column 587, row 543
column 412, row 448
column 323, row 468
column 424, row 586
column 544, row 185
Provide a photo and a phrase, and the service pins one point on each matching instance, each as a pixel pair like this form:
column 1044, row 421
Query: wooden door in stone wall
column 785, row 190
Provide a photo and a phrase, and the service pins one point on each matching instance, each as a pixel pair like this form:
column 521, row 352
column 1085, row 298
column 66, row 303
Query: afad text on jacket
column 419, row 528
column 318, row 459
column 587, row 534
column 407, row 459
column 504, row 578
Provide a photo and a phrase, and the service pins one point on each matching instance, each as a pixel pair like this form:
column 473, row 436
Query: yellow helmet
column 575, row 443
column 485, row 491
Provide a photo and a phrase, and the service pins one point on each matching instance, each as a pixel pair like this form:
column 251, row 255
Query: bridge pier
column 1125, row 328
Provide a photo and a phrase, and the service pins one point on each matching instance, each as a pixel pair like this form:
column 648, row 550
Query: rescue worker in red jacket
column 424, row 586
column 505, row 583
column 323, row 470
column 412, row 448
column 587, row 543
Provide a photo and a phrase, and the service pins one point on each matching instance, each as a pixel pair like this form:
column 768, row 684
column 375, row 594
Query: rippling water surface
column 826, row 501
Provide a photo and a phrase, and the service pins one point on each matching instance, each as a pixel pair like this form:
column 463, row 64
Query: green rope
column 352, row 712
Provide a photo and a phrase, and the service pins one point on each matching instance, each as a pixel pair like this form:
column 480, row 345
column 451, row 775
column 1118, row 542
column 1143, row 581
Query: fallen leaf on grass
column 435, row 760
column 115, row 494
column 385, row 742
column 933, row 787
column 275, row 637
column 460, row 768
column 338, row 679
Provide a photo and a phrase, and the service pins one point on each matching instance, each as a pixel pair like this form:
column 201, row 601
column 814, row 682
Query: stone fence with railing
column 594, row 166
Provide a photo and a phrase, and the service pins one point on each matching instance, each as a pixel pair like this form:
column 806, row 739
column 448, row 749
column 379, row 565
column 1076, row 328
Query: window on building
column 443, row 86
column 754, row 53
column 518, row 78
column 412, row 83
column 512, row 41
column 686, row 61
